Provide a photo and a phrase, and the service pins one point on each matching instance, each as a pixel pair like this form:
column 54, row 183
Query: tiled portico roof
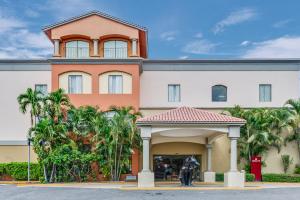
column 187, row 115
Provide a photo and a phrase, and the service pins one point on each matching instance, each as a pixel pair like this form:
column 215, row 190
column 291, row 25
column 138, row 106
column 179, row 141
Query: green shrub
column 219, row 177
column 297, row 169
column 286, row 162
column 280, row 178
column 18, row 170
column 249, row 177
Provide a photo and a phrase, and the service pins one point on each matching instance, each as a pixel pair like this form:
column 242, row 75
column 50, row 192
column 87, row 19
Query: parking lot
column 13, row 192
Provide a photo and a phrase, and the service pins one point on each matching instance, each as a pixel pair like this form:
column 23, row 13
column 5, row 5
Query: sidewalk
column 159, row 185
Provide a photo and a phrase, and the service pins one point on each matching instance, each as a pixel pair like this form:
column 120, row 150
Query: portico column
column 233, row 154
column 209, row 175
column 234, row 178
column 146, row 177
column 209, row 149
column 146, row 154
column 134, row 47
column 95, row 43
column 56, row 48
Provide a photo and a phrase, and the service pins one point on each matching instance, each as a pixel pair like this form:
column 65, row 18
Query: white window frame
column 173, row 97
column 114, row 51
column 113, row 86
column 79, row 51
column 78, row 90
column 262, row 93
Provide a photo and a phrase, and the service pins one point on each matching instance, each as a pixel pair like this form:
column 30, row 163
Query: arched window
column 219, row 93
column 115, row 49
column 115, row 82
column 77, row 49
column 76, row 82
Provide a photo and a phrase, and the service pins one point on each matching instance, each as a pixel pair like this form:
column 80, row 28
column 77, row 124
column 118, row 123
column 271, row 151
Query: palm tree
column 47, row 137
column 124, row 136
column 261, row 132
column 293, row 107
column 31, row 100
column 56, row 103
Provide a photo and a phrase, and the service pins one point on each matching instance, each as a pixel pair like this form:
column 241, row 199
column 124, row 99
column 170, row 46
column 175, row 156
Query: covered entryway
column 194, row 126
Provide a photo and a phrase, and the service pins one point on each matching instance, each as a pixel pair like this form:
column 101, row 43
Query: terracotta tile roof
column 187, row 115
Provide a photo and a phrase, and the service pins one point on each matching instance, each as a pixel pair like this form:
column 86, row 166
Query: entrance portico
column 186, row 124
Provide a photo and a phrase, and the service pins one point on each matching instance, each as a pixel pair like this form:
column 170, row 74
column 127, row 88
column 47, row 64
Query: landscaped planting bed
column 18, row 171
column 288, row 178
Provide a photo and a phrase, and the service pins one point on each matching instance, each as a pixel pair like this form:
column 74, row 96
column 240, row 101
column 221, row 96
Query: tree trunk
column 31, row 119
column 52, row 173
column 45, row 173
column 115, row 161
column 120, row 155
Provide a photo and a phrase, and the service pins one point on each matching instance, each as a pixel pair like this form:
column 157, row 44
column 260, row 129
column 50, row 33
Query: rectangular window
column 174, row 93
column 75, row 84
column 265, row 92
column 115, row 84
column 43, row 88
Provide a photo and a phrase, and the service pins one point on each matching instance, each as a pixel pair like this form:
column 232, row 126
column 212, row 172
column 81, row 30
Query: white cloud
column 283, row 47
column 245, row 43
column 19, row 42
column 202, row 46
column 183, row 57
column 168, row 36
column 235, row 17
column 281, row 23
column 9, row 23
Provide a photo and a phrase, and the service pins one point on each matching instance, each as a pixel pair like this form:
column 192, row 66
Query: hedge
column 18, row 170
column 297, row 169
column 220, row 177
column 281, row 178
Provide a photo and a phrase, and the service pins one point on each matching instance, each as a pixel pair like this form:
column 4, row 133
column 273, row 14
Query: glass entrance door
column 167, row 167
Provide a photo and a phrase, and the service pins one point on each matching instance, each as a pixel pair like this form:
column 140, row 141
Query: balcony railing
column 115, row 52
column 77, row 52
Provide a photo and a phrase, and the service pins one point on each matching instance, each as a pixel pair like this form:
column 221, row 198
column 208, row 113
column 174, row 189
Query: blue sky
column 178, row 29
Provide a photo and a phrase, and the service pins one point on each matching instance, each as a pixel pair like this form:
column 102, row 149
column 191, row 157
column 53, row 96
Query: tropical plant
column 56, row 105
column 69, row 140
column 261, row 132
column 286, row 162
column 293, row 107
column 116, row 146
column 31, row 101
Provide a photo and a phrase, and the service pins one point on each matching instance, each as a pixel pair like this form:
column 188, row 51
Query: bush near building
column 297, row 169
column 18, row 171
column 289, row 178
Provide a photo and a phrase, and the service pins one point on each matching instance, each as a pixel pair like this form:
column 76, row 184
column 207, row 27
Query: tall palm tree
column 56, row 104
column 31, row 100
column 262, row 130
column 293, row 105
column 124, row 136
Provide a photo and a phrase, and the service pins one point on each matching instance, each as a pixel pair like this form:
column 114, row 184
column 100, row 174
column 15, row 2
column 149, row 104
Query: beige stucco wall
column 242, row 88
column 94, row 27
column 13, row 124
column 221, row 154
column 127, row 82
column 273, row 158
column 86, row 81
column 16, row 154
